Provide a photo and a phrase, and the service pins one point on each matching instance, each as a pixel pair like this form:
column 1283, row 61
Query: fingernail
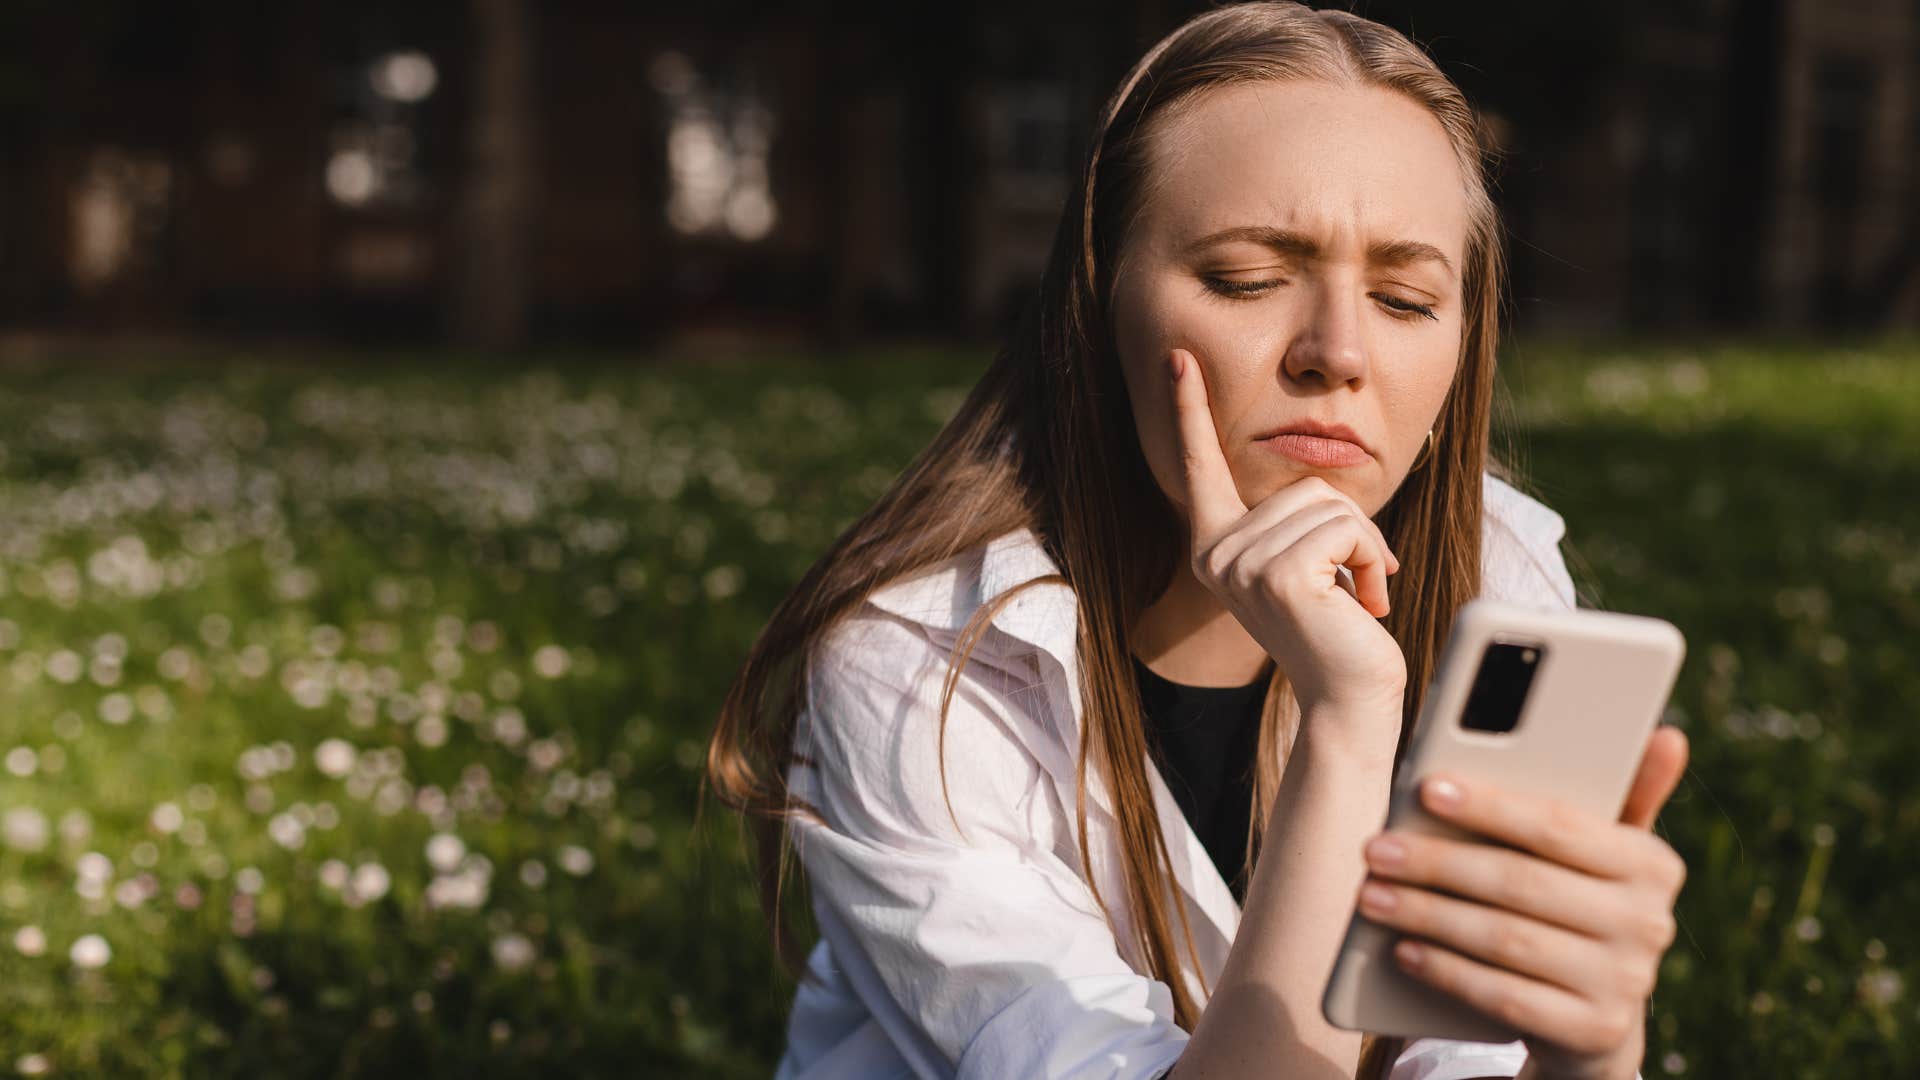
column 1409, row 954
column 1443, row 793
column 1376, row 898
column 1386, row 852
column 1175, row 366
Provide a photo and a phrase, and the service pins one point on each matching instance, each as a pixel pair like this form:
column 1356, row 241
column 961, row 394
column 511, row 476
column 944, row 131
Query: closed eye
column 1404, row 309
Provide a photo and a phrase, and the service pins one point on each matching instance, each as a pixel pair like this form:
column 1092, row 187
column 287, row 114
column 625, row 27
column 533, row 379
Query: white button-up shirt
column 979, row 951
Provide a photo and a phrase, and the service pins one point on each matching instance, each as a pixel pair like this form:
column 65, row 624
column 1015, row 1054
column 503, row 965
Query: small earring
column 1426, row 451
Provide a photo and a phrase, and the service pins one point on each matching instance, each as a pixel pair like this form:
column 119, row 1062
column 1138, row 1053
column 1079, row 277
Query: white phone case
column 1598, row 691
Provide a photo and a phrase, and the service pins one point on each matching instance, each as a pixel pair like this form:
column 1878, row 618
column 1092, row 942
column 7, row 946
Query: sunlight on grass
column 351, row 715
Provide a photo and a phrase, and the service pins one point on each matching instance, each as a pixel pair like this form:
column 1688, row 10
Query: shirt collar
column 1041, row 623
column 946, row 597
column 1044, row 620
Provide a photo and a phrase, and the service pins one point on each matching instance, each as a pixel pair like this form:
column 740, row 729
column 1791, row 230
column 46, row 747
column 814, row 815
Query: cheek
column 1139, row 340
column 1142, row 328
column 1418, row 394
column 1150, row 396
column 1153, row 318
column 1150, row 320
column 1154, row 315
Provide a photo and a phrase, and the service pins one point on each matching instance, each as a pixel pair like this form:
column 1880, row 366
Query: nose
column 1328, row 347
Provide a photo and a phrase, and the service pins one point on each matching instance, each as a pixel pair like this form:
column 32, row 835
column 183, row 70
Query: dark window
column 374, row 155
column 720, row 130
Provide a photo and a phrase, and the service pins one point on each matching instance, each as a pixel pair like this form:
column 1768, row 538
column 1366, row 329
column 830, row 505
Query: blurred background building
column 499, row 172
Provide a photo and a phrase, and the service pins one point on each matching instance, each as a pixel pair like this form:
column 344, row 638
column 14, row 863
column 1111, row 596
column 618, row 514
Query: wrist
column 1622, row 1064
column 1361, row 734
column 1533, row 1070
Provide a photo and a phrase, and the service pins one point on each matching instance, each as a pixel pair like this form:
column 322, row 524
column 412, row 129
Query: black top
column 1205, row 740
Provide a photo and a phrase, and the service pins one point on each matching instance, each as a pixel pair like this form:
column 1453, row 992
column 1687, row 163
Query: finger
column 1284, row 502
column 1264, row 518
column 1506, row 939
column 1547, row 827
column 1661, row 767
column 1213, row 503
column 1343, row 542
column 1529, row 1006
column 1393, row 561
column 1504, row 878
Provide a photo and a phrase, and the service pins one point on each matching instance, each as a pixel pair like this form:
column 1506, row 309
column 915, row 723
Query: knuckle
column 1508, row 1005
column 1659, row 929
column 1233, row 571
column 1214, row 563
column 1275, row 576
column 1559, row 826
column 1649, row 978
column 1247, row 577
column 1341, row 529
column 1614, row 1026
column 1510, row 944
column 1345, row 521
column 1596, row 1039
column 1600, row 1032
column 1675, row 869
column 1423, row 862
column 1517, row 879
column 1416, row 909
column 1635, row 976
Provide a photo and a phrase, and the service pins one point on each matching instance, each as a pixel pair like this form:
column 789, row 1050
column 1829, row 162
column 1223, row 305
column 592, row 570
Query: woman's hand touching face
column 1277, row 568
column 1304, row 242
column 1560, row 935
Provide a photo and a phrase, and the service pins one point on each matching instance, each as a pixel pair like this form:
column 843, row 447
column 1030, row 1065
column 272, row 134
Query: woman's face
column 1329, row 208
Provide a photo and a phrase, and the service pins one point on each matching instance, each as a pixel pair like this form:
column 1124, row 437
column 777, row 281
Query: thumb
column 1661, row 766
column 1213, row 503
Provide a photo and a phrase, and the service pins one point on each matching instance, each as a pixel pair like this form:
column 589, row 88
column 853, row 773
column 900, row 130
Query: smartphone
column 1550, row 702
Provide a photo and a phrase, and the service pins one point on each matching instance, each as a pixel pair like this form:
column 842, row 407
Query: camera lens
column 1500, row 687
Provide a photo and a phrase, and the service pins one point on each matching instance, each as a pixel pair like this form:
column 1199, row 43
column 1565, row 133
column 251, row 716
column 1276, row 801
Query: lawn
column 352, row 711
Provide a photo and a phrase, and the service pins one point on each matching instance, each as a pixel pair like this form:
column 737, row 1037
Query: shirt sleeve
column 1521, row 561
column 1446, row 1059
column 1450, row 1059
column 978, row 949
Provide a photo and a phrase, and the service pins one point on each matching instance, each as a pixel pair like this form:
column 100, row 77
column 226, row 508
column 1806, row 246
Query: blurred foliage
column 351, row 713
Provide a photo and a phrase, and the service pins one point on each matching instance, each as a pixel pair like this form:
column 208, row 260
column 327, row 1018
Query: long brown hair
column 1045, row 440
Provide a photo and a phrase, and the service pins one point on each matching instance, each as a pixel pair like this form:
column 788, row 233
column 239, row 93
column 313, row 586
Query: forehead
column 1340, row 162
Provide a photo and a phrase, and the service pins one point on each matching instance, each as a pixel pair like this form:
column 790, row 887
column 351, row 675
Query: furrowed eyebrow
column 1287, row 242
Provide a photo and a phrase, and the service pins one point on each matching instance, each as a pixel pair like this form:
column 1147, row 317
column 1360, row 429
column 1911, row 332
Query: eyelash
column 1240, row 290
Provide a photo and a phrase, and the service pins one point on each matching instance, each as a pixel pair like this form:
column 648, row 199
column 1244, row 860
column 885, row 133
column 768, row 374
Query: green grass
column 514, row 599
column 1768, row 503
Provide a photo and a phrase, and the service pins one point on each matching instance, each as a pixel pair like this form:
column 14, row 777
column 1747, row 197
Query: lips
column 1317, row 445
column 1318, row 430
column 1318, row 452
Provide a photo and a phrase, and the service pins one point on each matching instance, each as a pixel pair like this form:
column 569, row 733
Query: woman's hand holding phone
column 1559, row 936
column 1276, row 568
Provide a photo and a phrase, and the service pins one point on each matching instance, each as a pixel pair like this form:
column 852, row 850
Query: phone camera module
column 1500, row 686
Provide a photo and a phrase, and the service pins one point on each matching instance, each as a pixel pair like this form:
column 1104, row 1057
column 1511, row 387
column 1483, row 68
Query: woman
column 966, row 717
